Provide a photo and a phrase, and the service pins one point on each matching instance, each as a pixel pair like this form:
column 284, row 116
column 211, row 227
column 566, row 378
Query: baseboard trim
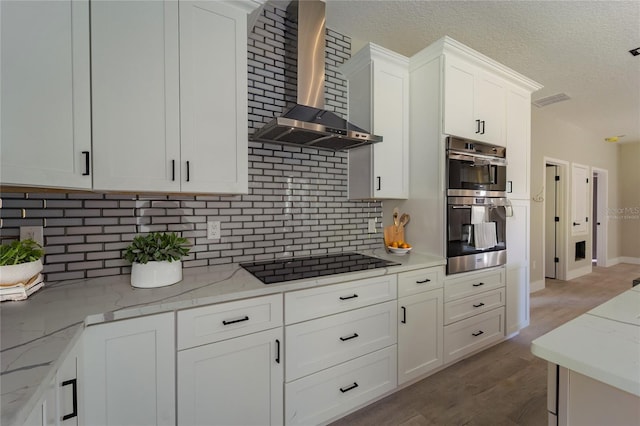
column 576, row 273
column 632, row 260
column 536, row 286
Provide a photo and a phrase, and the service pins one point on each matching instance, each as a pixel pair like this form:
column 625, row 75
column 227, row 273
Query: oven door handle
column 473, row 158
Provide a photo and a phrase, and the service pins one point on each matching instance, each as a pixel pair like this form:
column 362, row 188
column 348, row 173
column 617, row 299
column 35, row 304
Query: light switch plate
column 372, row 226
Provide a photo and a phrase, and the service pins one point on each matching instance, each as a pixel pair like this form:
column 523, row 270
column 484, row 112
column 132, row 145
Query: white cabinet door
column 518, row 138
column 68, row 382
column 45, row 135
column 474, row 102
column 517, row 269
column 579, row 199
column 44, row 413
column 459, row 109
column 135, row 95
column 234, row 382
column 129, row 372
column 213, row 97
column 420, row 334
column 379, row 102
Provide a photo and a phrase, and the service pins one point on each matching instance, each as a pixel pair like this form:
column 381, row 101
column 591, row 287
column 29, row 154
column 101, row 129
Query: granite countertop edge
column 39, row 332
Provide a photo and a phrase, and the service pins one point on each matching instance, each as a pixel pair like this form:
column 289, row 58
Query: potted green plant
column 20, row 261
column 156, row 259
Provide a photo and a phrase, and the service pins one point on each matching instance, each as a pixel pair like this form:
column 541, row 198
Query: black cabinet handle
column 478, row 305
column 74, row 390
column 477, row 126
column 478, row 285
column 86, row 163
column 348, row 388
column 598, row 223
column 476, row 334
column 426, row 280
column 188, row 171
column 277, row 351
column 173, row 170
column 404, row 315
column 482, row 132
column 353, row 336
column 245, row 318
column 379, row 183
column 353, row 296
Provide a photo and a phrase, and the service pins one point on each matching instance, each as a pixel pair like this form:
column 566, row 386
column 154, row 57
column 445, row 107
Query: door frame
column 602, row 230
column 563, row 213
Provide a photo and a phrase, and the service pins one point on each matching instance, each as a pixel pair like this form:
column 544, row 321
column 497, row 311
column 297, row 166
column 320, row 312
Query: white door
column 135, row 95
column 391, row 120
column 490, row 108
column 129, row 372
column 420, row 334
column 234, row 382
column 213, row 97
column 68, row 382
column 459, row 116
column 45, row 124
column 518, row 142
column 551, row 225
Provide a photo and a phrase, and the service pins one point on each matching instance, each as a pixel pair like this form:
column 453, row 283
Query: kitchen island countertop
column 603, row 343
column 39, row 332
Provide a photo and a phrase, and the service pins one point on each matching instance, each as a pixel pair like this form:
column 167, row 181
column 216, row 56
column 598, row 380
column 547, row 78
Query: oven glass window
column 475, row 229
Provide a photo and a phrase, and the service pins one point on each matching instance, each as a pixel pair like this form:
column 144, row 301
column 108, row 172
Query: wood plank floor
column 505, row 384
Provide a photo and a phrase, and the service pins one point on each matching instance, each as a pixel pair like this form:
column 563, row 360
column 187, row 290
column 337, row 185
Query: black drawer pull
column 74, row 390
column 173, row 170
column 245, row 318
column 348, row 388
column 478, row 285
column 482, row 132
column 478, row 305
column 353, row 296
column 277, row 351
column 86, row 163
column 404, row 315
column 379, row 183
column 353, row 336
column 477, row 333
column 477, row 126
column 188, row 172
column 426, row 280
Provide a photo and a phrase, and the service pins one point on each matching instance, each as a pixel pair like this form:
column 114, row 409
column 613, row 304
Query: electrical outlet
column 213, row 230
column 372, row 226
column 35, row 233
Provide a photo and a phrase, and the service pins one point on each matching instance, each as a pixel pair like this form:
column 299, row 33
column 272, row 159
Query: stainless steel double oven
column 476, row 205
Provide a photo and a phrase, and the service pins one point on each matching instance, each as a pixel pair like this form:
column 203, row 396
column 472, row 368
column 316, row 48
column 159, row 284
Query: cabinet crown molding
column 448, row 46
column 371, row 52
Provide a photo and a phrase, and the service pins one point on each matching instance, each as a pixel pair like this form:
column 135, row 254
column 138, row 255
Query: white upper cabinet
column 136, row 128
column 474, row 102
column 170, row 96
column 45, row 135
column 518, row 143
column 379, row 102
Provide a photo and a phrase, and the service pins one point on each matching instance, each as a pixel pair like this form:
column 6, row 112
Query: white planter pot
column 20, row 273
column 156, row 274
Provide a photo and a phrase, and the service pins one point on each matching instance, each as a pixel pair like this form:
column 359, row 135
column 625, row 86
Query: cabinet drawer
column 473, row 305
column 474, row 283
column 321, row 301
column 326, row 395
column 325, row 342
column 419, row 281
column 199, row 326
column 473, row 333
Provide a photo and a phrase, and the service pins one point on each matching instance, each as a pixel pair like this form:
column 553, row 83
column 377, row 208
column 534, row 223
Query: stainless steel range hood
column 308, row 123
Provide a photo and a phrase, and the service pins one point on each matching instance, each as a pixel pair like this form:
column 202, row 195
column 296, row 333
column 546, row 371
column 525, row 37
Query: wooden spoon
column 404, row 219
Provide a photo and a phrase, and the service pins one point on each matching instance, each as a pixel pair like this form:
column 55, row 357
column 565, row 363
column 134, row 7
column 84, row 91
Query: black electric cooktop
column 296, row 268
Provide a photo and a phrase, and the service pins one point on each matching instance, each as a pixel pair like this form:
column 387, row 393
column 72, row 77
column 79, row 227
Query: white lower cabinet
column 471, row 334
column 232, row 382
column 44, row 413
column 129, row 372
column 420, row 334
column 327, row 394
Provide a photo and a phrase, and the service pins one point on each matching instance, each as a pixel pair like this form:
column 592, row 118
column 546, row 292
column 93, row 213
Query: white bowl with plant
column 156, row 259
column 20, row 261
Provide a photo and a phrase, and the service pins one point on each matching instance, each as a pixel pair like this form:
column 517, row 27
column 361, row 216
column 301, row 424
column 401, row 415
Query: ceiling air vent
column 543, row 102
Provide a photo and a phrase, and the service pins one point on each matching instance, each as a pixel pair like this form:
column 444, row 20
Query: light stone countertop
column 603, row 344
column 39, row 332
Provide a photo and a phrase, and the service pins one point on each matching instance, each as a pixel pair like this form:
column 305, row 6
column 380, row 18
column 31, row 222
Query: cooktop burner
column 295, row 268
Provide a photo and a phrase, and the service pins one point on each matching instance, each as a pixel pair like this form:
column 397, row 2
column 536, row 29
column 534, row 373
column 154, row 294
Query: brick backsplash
column 297, row 201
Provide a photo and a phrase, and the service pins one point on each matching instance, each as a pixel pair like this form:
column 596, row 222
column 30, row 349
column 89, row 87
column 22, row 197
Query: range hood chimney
column 308, row 123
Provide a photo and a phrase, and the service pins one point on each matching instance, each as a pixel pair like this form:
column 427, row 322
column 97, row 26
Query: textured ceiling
column 580, row 48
